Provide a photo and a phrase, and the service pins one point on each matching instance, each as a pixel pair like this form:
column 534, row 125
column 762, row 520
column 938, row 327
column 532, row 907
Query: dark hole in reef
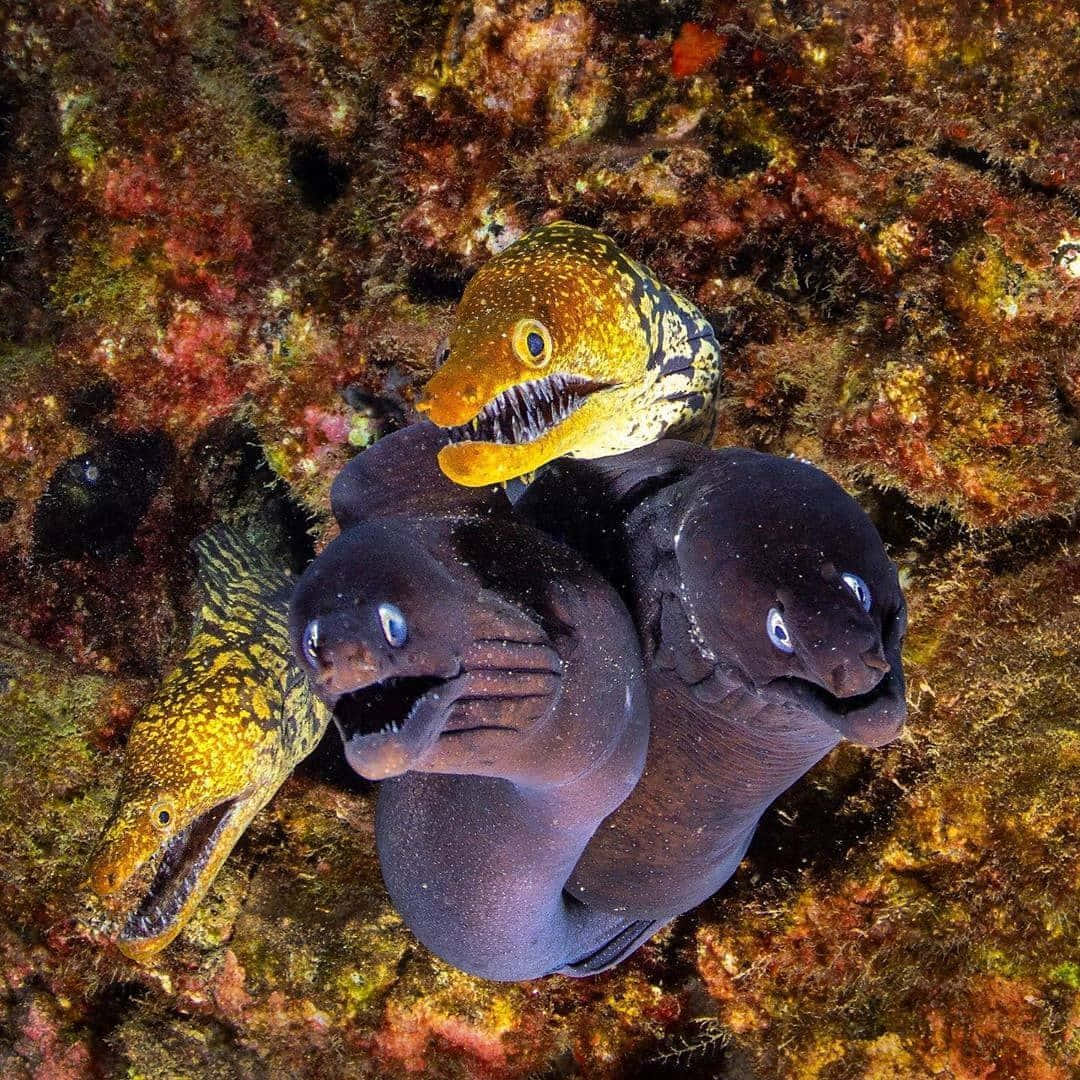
column 320, row 179
column 904, row 525
column 695, row 1050
column 230, row 472
column 652, row 19
column 93, row 503
column 430, row 285
column 383, row 413
column 1029, row 542
column 107, row 1010
column 814, row 825
column 7, row 510
column 89, row 404
column 738, row 159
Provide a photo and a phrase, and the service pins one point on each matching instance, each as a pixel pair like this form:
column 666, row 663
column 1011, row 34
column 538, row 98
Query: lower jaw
column 476, row 464
column 870, row 719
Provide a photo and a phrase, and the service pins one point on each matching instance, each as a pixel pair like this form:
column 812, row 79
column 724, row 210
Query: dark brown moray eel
column 493, row 683
column 771, row 623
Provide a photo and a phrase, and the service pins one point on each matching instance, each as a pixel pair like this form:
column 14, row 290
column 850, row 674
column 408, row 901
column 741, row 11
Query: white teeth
column 523, row 413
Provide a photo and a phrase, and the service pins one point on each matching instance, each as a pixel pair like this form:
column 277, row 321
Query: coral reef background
column 231, row 235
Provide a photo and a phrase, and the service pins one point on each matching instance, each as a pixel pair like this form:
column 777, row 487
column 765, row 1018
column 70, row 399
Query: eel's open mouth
column 391, row 726
column 181, row 868
column 383, row 709
column 386, row 727
column 524, row 412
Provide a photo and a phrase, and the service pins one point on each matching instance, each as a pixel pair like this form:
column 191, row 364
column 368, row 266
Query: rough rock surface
column 230, row 238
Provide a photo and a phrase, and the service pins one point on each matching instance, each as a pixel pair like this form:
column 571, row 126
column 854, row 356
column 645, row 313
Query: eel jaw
column 388, row 726
column 398, row 724
column 869, row 719
column 518, row 430
column 174, row 880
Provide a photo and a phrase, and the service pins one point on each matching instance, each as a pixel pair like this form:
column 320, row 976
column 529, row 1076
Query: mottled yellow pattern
column 602, row 317
column 226, row 728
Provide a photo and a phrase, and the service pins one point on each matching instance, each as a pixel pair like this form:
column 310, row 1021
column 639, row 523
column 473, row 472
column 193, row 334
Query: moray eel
column 493, row 683
column 562, row 345
column 771, row 622
column 226, row 728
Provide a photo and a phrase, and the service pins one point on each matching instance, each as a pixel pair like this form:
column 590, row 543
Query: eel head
column 197, row 770
column 545, row 336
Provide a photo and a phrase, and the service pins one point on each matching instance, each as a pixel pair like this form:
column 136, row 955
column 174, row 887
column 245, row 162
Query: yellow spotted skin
column 609, row 321
column 227, row 726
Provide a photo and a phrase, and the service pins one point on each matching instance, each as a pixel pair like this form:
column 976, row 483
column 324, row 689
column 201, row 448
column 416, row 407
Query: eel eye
column 777, row 631
column 394, row 627
column 532, row 343
column 859, row 588
column 442, row 351
column 162, row 813
column 310, row 643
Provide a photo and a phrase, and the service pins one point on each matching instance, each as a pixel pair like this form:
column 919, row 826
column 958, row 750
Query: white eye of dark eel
column 310, row 643
column 394, row 627
column 859, row 588
column 777, row 631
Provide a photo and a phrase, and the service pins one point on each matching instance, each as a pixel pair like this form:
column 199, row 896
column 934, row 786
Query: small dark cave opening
column 435, row 285
column 230, row 476
column 94, row 502
column 814, row 826
column 320, row 179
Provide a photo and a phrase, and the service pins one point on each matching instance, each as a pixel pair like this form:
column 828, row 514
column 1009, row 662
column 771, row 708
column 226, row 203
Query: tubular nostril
column 874, row 658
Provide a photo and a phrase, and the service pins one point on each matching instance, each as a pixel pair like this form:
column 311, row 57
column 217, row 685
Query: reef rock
column 240, row 232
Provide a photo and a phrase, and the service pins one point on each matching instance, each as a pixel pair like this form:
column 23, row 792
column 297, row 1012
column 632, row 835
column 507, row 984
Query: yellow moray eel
column 562, row 345
column 226, row 728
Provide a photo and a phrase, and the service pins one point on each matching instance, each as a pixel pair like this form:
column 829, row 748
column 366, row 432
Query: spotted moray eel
column 564, row 346
column 228, row 725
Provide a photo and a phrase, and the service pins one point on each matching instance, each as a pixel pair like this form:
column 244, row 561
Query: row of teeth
column 524, row 412
column 163, row 914
column 156, row 912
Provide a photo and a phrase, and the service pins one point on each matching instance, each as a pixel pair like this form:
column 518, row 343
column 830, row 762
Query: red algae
column 694, row 49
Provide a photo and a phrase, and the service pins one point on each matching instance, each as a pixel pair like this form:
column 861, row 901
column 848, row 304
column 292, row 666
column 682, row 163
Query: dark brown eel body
column 770, row 620
column 492, row 682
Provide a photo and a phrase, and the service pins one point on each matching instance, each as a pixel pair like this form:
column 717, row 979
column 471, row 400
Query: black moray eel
column 493, row 683
column 771, row 622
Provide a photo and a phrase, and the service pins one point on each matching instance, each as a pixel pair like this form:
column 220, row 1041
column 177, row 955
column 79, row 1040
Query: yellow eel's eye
column 532, row 343
column 162, row 813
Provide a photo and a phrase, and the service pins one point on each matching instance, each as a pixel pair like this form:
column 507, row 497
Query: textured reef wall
column 231, row 235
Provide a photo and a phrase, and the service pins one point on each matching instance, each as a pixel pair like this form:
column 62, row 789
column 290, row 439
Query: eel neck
column 744, row 749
